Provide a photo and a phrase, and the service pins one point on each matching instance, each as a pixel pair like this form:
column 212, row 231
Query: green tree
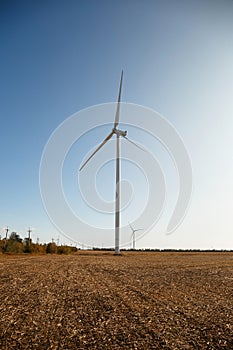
column 14, row 236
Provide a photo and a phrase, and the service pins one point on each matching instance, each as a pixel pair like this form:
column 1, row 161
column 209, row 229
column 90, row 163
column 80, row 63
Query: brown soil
column 101, row 301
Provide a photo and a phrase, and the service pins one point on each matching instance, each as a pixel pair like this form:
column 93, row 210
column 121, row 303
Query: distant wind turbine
column 118, row 133
column 133, row 234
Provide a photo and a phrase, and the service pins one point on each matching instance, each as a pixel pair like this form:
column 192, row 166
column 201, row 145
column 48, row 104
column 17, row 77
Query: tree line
column 15, row 244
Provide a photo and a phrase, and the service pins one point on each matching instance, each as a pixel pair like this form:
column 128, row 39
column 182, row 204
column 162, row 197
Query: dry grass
column 133, row 301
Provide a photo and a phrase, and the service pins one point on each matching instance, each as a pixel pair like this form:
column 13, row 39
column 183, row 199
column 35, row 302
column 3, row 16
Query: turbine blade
column 143, row 149
column 97, row 149
column 130, row 226
column 118, row 103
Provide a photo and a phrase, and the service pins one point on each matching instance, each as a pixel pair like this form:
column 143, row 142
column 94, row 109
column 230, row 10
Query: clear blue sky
column 58, row 57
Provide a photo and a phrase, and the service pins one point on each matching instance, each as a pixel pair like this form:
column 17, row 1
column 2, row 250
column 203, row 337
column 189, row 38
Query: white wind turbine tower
column 133, row 234
column 119, row 133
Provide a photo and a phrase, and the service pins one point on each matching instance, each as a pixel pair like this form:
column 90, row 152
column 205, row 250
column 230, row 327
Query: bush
column 13, row 247
column 64, row 249
column 51, row 248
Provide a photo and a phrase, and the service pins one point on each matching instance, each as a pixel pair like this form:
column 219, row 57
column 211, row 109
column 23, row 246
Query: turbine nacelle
column 119, row 132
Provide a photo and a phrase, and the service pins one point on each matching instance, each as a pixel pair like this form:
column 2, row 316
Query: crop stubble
column 100, row 301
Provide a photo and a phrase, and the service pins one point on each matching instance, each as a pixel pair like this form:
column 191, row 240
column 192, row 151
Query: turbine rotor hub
column 119, row 132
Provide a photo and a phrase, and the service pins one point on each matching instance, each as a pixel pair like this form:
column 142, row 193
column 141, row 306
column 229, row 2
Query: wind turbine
column 133, row 234
column 119, row 133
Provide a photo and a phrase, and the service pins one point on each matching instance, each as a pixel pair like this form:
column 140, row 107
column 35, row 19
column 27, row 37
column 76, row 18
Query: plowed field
column 100, row 301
